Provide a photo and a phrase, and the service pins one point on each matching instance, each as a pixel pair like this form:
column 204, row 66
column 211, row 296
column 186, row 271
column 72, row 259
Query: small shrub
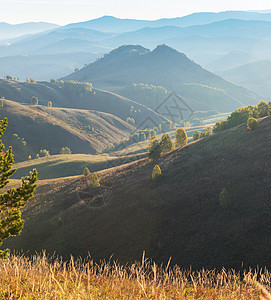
column 34, row 101
column 252, row 123
column 95, row 183
column 156, row 173
column 86, row 172
column 197, row 135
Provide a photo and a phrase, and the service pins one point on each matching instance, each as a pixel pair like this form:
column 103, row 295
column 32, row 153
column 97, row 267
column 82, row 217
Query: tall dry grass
column 40, row 277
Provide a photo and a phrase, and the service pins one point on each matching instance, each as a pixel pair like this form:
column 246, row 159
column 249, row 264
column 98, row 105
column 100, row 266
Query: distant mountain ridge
column 255, row 76
column 164, row 66
column 8, row 31
column 117, row 25
column 207, row 38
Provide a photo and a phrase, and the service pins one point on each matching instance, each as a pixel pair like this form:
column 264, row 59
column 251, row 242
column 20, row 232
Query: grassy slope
column 54, row 128
column 142, row 147
column 178, row 217
column 100, row 100
column 56, row 166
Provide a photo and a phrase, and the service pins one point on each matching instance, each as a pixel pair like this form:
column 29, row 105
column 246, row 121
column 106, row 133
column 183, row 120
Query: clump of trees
column 154, row 149
column 242, row 114
column 34, row 100
column 130, row 121
column 12, row 200
column 200, row 134
column 156, row 173
column 180, row 137
column 65, row 150
column 95, row 183
column 43, row 153
column 166, row 144
column 157, row 148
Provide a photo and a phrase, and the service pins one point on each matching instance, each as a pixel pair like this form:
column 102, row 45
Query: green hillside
column 64, row 165
column 168, row 68
column 77, row 95
column 42, row 127
column 180, row 216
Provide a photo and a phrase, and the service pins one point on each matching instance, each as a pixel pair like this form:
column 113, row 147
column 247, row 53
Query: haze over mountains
column 9, row 31
column 216, row 41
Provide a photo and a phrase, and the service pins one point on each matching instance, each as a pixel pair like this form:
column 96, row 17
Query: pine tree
column 180, row 137
column 95, row 183
column 156, row 173
column 154, row 152
column 86, row 172
column 12, row 200
column 166, row 144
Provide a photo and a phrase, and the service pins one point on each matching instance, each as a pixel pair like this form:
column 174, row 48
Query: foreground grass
column 40, row 277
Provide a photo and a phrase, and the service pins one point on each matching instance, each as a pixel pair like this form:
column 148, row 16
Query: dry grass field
column 42, row 277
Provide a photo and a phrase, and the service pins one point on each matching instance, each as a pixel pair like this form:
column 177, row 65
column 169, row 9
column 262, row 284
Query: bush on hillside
column 252, row 123
column 197, row 135
column 156, row 173
column 86, row 172
column 95, row 183
column 180, row 137
column 34, row 101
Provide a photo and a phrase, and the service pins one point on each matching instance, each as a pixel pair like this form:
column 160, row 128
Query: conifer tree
column 166, row 144
column 12, row 200
column 154, row 152
column 180, row 137
column 95, row 183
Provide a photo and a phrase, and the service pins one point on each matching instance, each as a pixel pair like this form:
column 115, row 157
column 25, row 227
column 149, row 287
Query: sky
column 66, row 11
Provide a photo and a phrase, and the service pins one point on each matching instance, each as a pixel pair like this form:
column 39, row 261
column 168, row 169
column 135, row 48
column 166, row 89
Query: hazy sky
column 67, row 11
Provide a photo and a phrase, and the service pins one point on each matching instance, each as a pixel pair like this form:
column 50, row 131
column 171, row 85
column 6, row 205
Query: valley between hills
column 146, row 149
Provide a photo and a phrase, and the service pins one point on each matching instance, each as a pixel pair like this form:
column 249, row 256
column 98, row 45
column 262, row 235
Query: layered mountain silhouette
column 165, row 66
